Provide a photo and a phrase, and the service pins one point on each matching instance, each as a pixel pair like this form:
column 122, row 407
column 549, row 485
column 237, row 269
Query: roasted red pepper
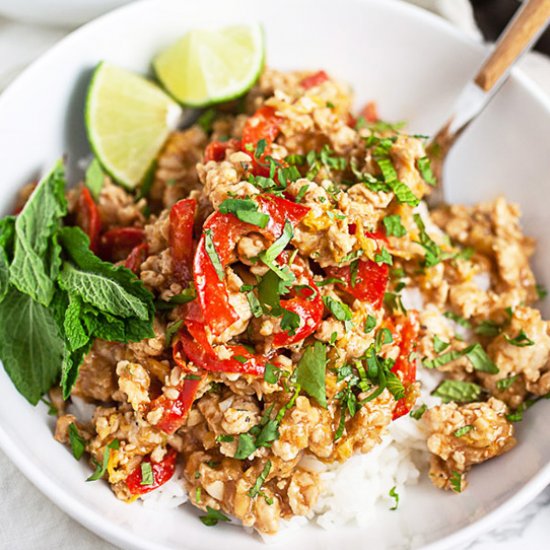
column 87, row 217
column 162, row 472
column 215, row 150
column 369, row 282
column 174, row 411
column 314, row 79
column 224, row 231
column 136, row 257
column 118, row 243
column 370, row 112
column 182, row 220
column 406, row 333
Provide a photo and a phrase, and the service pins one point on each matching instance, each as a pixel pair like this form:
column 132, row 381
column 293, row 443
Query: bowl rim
column 111, row 532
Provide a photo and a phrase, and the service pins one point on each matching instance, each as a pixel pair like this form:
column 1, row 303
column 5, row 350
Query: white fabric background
column 29, row 520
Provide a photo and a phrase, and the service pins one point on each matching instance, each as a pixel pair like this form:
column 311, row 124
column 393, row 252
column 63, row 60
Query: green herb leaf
column 171, row 331
column 31, row 346
column 480, row 360
column 255, row 489
column 458, row 390
column 213, row 254
column 394, row 385
column 271, row 373
column 505, row 383
column 102, row 468
column 456, row 482
column 147, row 474
column 520, row 341
column 245, row 447
column 425, row 169
column 541, row 292
column 393, row 493
column 290, row 322
column 440, row 345
column 310, row 372
column 269, row 256
column 418, row 413
column 78, row 445
column 432, row 250
column 463, row 431
column 246, row 210
column 384, row 257
column 212, row 517
column 253, row 302
column 370, row 324
column 393, row 226
column 36, row 254
column 457, row 319
column 341, row 311
column 94, row 178
column 443, row 359
column 488, row 328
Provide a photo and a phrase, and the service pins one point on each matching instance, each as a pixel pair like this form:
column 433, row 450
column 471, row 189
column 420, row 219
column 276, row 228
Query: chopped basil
column 456, row 482
column 394, row 385
column 458, row 390
column 246, row 210
column 419, row 412
column 255, row 489
column 425, row 169
column 310, row 372
column 384, row 257
column 187, row 295
column 223, row 438
column 520, row 341
column 463, row 431
column 271, row 373
column 301, row 193
column 78, row 445
column 442, row 359
column 393, row 494
column 488, row 328
column 440, row 345
column 269, row 256
column 432, row 251
column 479, row 359
column 505, row 383
column 245, row 447
column 254, row 303
column 212, row 517
column 240, row 358
column 213, row 254
column 370, row 324
column 383, row 336
column 269, row 293
column 260, row 148
column 402, row 193
column 101, row 468
column 457, row 319
column 393, row 226
column 171, row 330
column 147, row 474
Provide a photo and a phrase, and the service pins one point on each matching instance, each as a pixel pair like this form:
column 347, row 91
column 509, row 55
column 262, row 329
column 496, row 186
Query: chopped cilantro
column 223, row 438
column 393, row 494
column 147, row 474
column 78, row 445
column 271, row 373
column 246, row 210
column 463, row 431
column 456, row 481
column 270, row 255
column 505, row 383
column 418, row 413
column 457, row 319
column 212, row 517
column 370, row 324
column 488, row 328
column 290, row 322
column 255, row 489
column 341, row 311
column 384, row 257
column 310, row 372
column 213, row 254
column 393, row 226
column 541, row 292
column 171, row 331
column 101, row 467
column 301, row 193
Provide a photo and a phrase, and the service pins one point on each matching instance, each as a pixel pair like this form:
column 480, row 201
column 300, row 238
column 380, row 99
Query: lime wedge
column 211, row 66
column 128, row 119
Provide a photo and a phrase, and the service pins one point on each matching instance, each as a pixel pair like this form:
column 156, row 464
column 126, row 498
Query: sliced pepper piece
column 88, row 218
column 182, row 220
column 118, row 243
column 314, row 79
column 215, row 150
column 162, row 472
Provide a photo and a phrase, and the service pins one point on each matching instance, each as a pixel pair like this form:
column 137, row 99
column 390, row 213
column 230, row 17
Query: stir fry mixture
column 299, row 282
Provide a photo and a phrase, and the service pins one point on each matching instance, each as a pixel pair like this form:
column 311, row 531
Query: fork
column 519, row 36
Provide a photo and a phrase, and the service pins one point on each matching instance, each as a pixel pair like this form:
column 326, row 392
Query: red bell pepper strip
column 407, row 334
column 174, row 411
column 162, row 472
column 263, row 124
column 370, row 112
column 314, row 79
column 136, row 257
column 371, row 279
column 87, row 217
column 118, row 243
column 182, row 220
column 225, row 230
column 215, row 150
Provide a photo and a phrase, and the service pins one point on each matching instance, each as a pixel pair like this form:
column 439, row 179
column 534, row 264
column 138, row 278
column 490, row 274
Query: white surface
column 30, row 521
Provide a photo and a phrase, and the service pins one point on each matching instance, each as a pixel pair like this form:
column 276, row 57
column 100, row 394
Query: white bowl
column 413, row 64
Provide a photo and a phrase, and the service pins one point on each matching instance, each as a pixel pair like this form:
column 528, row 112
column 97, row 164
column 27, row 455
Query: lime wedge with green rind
column 128, row 119
column 212, row 66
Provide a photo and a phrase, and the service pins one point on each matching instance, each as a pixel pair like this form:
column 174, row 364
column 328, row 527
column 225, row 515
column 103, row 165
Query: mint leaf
column 425, row 169
column 310, row 372
column 101, row 468
column 34, row 254
column 394, row 226
column 212, row 517
column 31, row 347
column 7, row 233
column 78, row 445
column 458, row 390
column 246, row 210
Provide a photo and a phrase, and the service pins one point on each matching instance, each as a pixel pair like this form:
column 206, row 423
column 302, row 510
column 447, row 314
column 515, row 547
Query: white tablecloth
column 29, row 520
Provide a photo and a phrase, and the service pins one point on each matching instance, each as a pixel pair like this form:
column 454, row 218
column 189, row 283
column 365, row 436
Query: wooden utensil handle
column 530, row 20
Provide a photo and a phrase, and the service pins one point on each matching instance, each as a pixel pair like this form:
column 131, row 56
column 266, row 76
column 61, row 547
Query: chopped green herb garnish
column 457, row 319
column 488, row 328
column 206, row 120
column 541, row 292
column 255, row 489
column 479, row 359
column 254, row 303
column 341, row 311
column 456, row 482
column 52, row 409
column 78, row 445
column 101, row 468
column 425, row 169
column 246, row 210
column 458, row 390
column 94, row 178
column 393, row 226
column 213, row 254
column 330, row 281
column 171, row 331
column 271, row 373
column 463, row 431
column 433, row 254
column 505, row 383
column 393, row 494
column 147, row 474
column 370, row 324
column 520, row 341
column 302, row 192
column 383, row 257
column 440, row 345
column 223, row 438
column 418, row 413
column 269, row 256
column 310, row 372
column 290, row 322
column 212, row 517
